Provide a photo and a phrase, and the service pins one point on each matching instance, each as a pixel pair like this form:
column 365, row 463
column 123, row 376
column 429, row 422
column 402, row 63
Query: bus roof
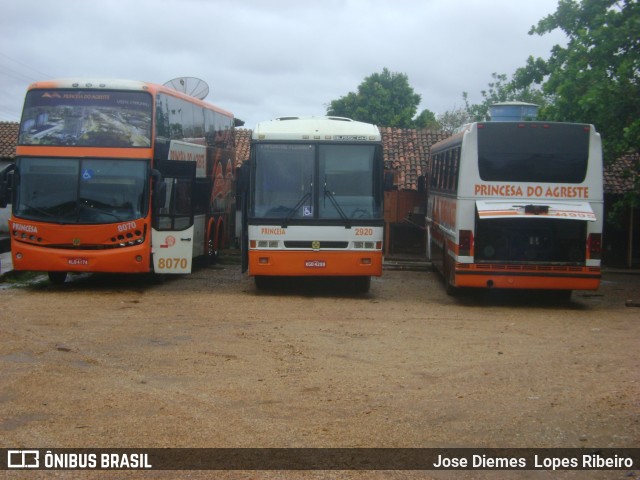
column 316, row 128
column 120, row 84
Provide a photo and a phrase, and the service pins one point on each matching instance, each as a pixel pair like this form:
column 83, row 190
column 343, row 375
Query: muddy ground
column 207, row 360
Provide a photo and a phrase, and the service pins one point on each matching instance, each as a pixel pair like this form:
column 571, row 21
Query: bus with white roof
column 314, row 200
column 517, row 205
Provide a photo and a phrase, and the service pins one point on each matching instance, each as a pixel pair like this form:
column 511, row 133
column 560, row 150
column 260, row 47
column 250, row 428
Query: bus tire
column 361, row 284
column 449, row 288
column 213, row 249
column 57, row 278
column 262, row 282
column 561, row 295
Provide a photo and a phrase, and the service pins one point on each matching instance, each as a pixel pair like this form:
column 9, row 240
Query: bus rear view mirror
column 6, row 185
column 388, row 181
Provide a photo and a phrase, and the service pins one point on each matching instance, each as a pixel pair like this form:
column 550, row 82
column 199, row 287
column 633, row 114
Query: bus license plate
column 315, row 264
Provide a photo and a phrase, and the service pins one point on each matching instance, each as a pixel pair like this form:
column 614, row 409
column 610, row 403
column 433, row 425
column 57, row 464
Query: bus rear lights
column 366, row 261
column 594, row 243
column 465, row 242
column 263, row 260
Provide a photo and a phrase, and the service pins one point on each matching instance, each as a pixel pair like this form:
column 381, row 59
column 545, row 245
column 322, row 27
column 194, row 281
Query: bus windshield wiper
column 294, row 209
column 39, row 210
column 90, row 206
column 329, row 194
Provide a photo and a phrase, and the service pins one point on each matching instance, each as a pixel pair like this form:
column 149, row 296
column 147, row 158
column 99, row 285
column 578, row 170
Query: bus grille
column 315, row 245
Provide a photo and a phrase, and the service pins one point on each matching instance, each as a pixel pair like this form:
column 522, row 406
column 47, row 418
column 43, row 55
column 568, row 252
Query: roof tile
column 8, row 140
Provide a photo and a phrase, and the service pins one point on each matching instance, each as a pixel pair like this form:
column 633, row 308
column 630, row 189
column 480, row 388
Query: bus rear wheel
column 447, row 274
column 57, row 278
column 213, row 249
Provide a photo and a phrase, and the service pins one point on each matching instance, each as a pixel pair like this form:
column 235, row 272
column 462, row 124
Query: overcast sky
column 268, row 58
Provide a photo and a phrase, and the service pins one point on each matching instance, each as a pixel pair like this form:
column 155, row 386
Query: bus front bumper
column 315, row 263
column 130, row 259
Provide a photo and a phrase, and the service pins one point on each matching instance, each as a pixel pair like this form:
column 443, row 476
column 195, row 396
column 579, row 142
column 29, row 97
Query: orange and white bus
column 517, row 205
column 315, row 200
column 119, row 176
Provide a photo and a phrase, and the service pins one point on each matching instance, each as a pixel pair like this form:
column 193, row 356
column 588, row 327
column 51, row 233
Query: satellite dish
column 192, row 86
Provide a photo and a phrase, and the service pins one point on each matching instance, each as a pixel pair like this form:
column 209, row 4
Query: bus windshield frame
column 82, row 191
column 306, row 182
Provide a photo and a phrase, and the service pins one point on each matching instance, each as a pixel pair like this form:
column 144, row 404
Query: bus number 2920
column 169, row 263
column 364, row 232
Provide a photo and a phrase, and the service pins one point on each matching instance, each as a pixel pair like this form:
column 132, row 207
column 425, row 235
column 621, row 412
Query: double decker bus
column 517, row 205
column 119, row 176
column 315, row 200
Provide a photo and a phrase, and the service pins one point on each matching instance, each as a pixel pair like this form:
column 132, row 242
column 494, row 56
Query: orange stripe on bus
column 83, row 152
column 527, row 276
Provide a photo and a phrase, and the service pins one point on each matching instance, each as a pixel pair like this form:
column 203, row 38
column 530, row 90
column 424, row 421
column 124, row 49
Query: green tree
column 596, row 77
column 450, row 120
column 426, row 119
column 384, row 99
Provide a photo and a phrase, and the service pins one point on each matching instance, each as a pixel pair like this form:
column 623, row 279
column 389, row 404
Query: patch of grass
column 17, row 278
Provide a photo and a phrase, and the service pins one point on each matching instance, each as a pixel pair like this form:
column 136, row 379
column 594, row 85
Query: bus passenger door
column 173, row 226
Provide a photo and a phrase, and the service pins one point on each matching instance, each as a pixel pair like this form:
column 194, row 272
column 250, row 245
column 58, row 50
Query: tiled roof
column 243, row 142
column 619, row 175
column 8, row 140
column 406, row 152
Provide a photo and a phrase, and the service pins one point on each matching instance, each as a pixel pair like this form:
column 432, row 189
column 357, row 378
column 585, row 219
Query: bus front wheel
column 57, row 278
column 361, row 284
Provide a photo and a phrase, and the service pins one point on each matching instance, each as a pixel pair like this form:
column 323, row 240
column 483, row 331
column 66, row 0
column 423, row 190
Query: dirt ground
column 207, row 360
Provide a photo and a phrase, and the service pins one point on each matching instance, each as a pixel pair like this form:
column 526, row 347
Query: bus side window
column 456, row 169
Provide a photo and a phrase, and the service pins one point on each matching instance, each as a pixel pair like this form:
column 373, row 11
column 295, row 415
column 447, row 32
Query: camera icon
column 23, row 459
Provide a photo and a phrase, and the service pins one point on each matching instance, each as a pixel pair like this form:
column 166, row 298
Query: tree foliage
column 596, row 77
column 450, row 120
column 501, row 89
column 426, row 119
column 384, row 99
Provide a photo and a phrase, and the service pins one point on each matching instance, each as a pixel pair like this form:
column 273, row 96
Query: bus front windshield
column 317, row 182
column 81, row 191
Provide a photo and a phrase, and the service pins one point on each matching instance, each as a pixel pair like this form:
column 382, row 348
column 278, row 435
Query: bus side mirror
column 243, row 177
column 388, row 182
column 7, row 180
column 159, row 191
column 422, row 183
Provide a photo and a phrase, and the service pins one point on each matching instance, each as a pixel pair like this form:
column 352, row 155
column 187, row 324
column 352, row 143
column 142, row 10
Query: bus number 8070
column 169, row 263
